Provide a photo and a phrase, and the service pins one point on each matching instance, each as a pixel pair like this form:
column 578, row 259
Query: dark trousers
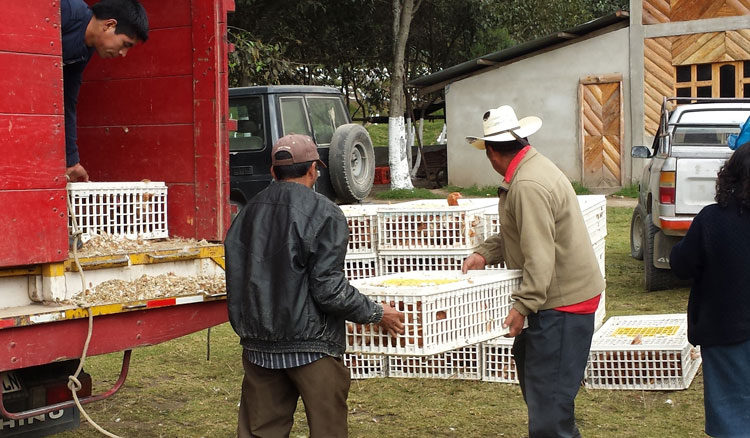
column 269, row 399
column 551, row 356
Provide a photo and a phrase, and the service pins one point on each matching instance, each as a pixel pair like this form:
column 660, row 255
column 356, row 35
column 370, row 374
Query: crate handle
column 102, row 264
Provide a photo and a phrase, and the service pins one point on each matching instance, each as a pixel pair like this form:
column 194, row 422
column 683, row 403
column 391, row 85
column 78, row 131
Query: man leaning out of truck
column 109, row 28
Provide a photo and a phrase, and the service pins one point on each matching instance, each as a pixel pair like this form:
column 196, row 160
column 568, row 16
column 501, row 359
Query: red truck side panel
column 33, row 216
column 160, row 114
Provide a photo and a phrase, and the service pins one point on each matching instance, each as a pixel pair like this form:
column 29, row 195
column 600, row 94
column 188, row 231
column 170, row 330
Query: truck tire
column 351, row 163
column 637, row 233
column 656, row 278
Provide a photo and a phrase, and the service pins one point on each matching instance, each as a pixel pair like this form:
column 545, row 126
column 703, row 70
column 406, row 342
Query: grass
column 173, row 391
column 630, row 191
column 474, row 191
column 379, row 132
column 580, row 189
column 404, row 194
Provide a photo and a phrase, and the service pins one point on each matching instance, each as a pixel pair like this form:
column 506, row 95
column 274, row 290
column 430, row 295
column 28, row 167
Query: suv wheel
column 637, row 233
column 656, row 278
column 351, row 162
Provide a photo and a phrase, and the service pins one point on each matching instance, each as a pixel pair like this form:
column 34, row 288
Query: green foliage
column 402, row 194
column 379, row 132
column 630, row 191
column 580, row 189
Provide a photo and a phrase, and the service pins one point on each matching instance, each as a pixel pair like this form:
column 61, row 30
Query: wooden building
column 598, row 87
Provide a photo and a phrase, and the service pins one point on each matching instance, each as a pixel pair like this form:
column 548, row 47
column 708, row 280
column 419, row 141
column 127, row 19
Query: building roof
column 465, row 69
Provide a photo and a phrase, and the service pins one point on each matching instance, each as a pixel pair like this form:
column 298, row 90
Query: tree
column 403, row 12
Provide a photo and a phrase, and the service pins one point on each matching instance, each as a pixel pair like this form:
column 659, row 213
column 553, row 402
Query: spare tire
column 351, row 163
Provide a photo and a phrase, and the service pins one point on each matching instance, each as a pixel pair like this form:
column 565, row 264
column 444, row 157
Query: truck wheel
column 351, row 163
column 656, row 278
column 636, row 233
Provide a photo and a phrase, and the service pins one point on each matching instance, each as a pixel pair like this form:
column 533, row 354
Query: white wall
column 545, row 85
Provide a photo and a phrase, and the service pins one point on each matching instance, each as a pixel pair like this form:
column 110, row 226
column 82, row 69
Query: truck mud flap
column 662, row 247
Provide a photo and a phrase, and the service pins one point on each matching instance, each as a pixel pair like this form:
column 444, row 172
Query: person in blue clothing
column 715, row 253
column 110, row 28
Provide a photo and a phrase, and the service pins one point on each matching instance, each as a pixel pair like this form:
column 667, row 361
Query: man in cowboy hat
column 543, row 234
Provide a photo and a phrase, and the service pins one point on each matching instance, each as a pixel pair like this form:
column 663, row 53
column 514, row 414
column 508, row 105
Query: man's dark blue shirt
column 75, row 16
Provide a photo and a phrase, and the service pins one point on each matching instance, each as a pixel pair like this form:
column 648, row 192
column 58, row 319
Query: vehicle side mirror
column 640, row 152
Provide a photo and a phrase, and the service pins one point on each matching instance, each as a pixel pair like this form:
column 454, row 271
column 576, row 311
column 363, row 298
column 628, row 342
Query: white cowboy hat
column 501, row 124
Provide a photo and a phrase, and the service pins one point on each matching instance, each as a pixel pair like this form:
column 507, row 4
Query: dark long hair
column 733, row 182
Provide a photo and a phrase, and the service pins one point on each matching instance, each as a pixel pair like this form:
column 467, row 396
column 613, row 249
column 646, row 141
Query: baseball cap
column 301, row 148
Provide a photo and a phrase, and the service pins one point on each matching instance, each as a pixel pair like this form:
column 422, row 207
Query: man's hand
column 514, row 321
column 473, row 262
column 76, row 172
column 393, row 320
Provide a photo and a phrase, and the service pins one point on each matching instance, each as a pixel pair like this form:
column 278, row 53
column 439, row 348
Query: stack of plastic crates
column 361, row 255
column 498, row 364
column 443, row 311
column 643, row 352
column 462, row 363
column 127, row 209
column 429, row 235
column 365, row 366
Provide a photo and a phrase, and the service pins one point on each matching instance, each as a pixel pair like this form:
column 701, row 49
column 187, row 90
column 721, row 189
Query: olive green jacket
column 543, row 233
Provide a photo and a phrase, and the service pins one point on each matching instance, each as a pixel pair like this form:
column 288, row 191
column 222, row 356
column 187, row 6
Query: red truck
column 160, row 114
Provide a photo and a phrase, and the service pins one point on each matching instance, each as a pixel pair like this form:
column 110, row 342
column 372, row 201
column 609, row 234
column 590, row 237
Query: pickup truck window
column 293, row 116
column 326, row 113
column 249, row 134
column 702, row 136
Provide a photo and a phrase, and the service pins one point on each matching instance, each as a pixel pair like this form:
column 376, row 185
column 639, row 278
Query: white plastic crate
column 444, row 310
column 362, row 221
column 430, row 224
column 601, row 311
column 660, row 359
column 394, row 262
column 129, row 209
column 463, row 364
column 365, row 366
column 599, row 252
column 357, row 266
column 594, row 210
column 498, row 364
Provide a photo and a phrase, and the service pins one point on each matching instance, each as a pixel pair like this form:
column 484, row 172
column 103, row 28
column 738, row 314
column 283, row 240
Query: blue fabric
column 715, row 253
column 551, row 356
column 726, row 389
column 75, row 16
column 279, row 361
column 737, row 140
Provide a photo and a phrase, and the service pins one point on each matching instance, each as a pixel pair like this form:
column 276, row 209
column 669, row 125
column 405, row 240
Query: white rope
column 73, row 383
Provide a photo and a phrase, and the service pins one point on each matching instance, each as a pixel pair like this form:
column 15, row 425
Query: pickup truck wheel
column 636, row 234
column 351, row 163
column 656, row 278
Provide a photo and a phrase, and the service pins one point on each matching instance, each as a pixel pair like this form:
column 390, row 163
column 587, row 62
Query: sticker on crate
column 365, row 366
column 127, row 209
column 644, row 352
column 358, row 266
column 362, row 222
column 430, row 224
column 498, row 364
column 462, row 363
column 444, row 310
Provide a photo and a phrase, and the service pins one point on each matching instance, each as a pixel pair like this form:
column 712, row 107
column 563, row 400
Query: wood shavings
column 151, row 287
column 108, row 244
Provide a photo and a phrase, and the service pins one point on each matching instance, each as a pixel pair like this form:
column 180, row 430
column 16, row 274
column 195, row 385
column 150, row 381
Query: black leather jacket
column 286, row 289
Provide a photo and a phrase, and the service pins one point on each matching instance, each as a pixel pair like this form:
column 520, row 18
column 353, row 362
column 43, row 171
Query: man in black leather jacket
column 288, row 300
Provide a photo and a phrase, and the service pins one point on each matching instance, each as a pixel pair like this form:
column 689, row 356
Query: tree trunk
column 403, row 10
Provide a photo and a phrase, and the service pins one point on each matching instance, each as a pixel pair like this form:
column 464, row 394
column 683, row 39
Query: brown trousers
column 269, row 399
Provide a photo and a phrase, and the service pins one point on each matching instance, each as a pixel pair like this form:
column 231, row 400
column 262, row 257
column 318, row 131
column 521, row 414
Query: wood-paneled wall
column 658, row 78
column 665, row 11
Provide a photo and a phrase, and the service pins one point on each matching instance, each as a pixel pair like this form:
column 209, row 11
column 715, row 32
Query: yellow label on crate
column 418, row 282
column 667, row 330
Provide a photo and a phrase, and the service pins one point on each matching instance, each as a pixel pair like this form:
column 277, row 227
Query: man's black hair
column 130, row 15
column 507, row 147
column 292, row 170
